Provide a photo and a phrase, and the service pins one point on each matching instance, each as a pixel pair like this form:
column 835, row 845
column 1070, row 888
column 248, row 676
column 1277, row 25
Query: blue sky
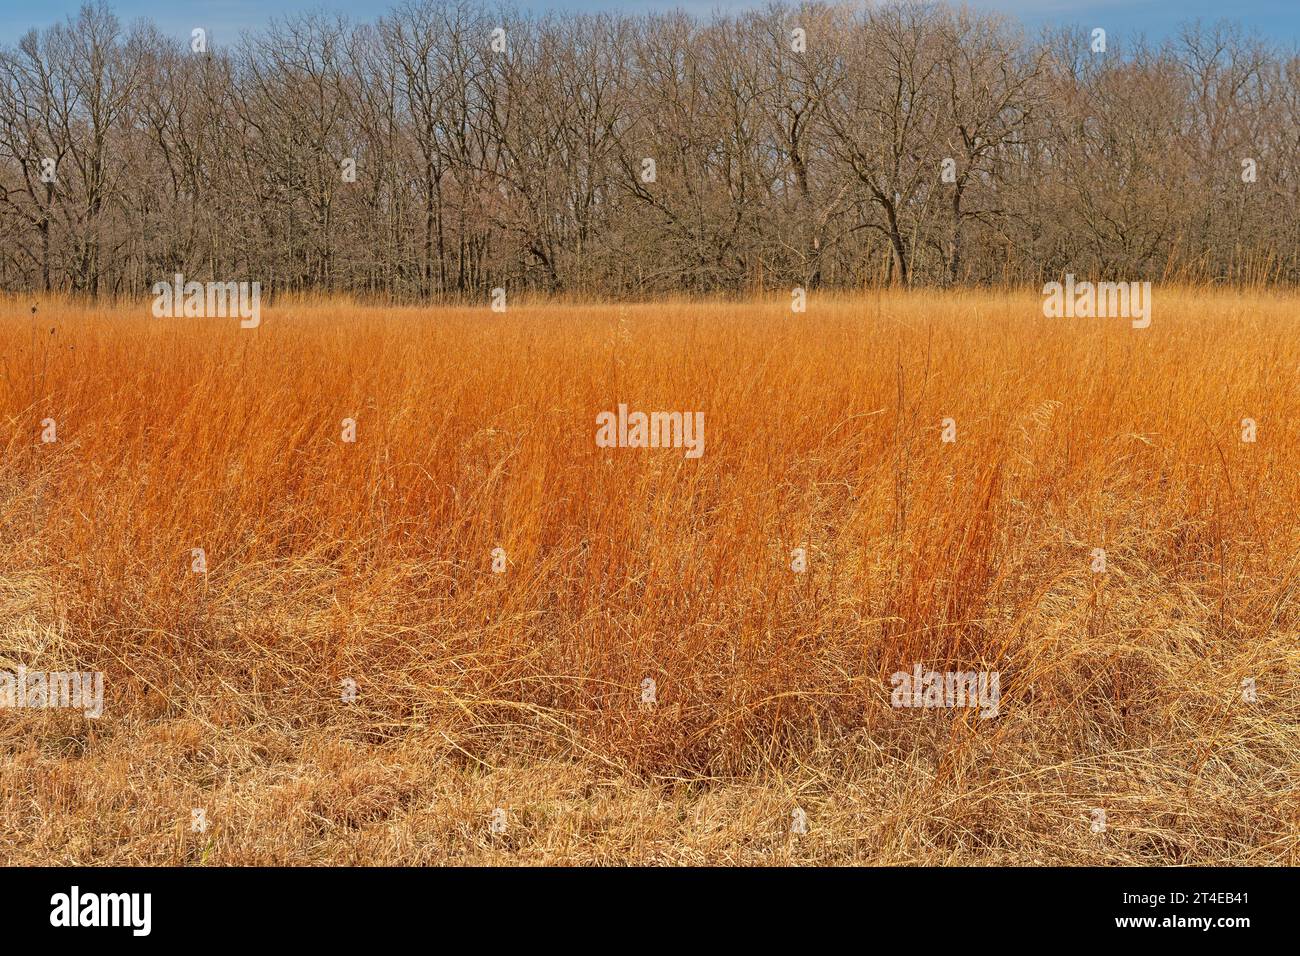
column 224, row 19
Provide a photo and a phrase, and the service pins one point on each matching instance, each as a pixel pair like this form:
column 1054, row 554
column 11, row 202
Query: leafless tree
column 425, row 156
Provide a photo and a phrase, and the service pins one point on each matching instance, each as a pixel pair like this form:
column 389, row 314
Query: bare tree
column 826, row 144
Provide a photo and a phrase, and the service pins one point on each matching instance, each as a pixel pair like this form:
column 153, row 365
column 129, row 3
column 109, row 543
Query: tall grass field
column 365, row 587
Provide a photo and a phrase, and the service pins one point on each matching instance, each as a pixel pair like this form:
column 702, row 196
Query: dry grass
column 371, row 560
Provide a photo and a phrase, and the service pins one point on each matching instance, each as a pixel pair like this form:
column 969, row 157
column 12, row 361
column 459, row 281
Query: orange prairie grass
column 372, row 561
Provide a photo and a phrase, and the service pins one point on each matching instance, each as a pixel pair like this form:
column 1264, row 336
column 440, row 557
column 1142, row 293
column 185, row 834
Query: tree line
column 450, row 147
